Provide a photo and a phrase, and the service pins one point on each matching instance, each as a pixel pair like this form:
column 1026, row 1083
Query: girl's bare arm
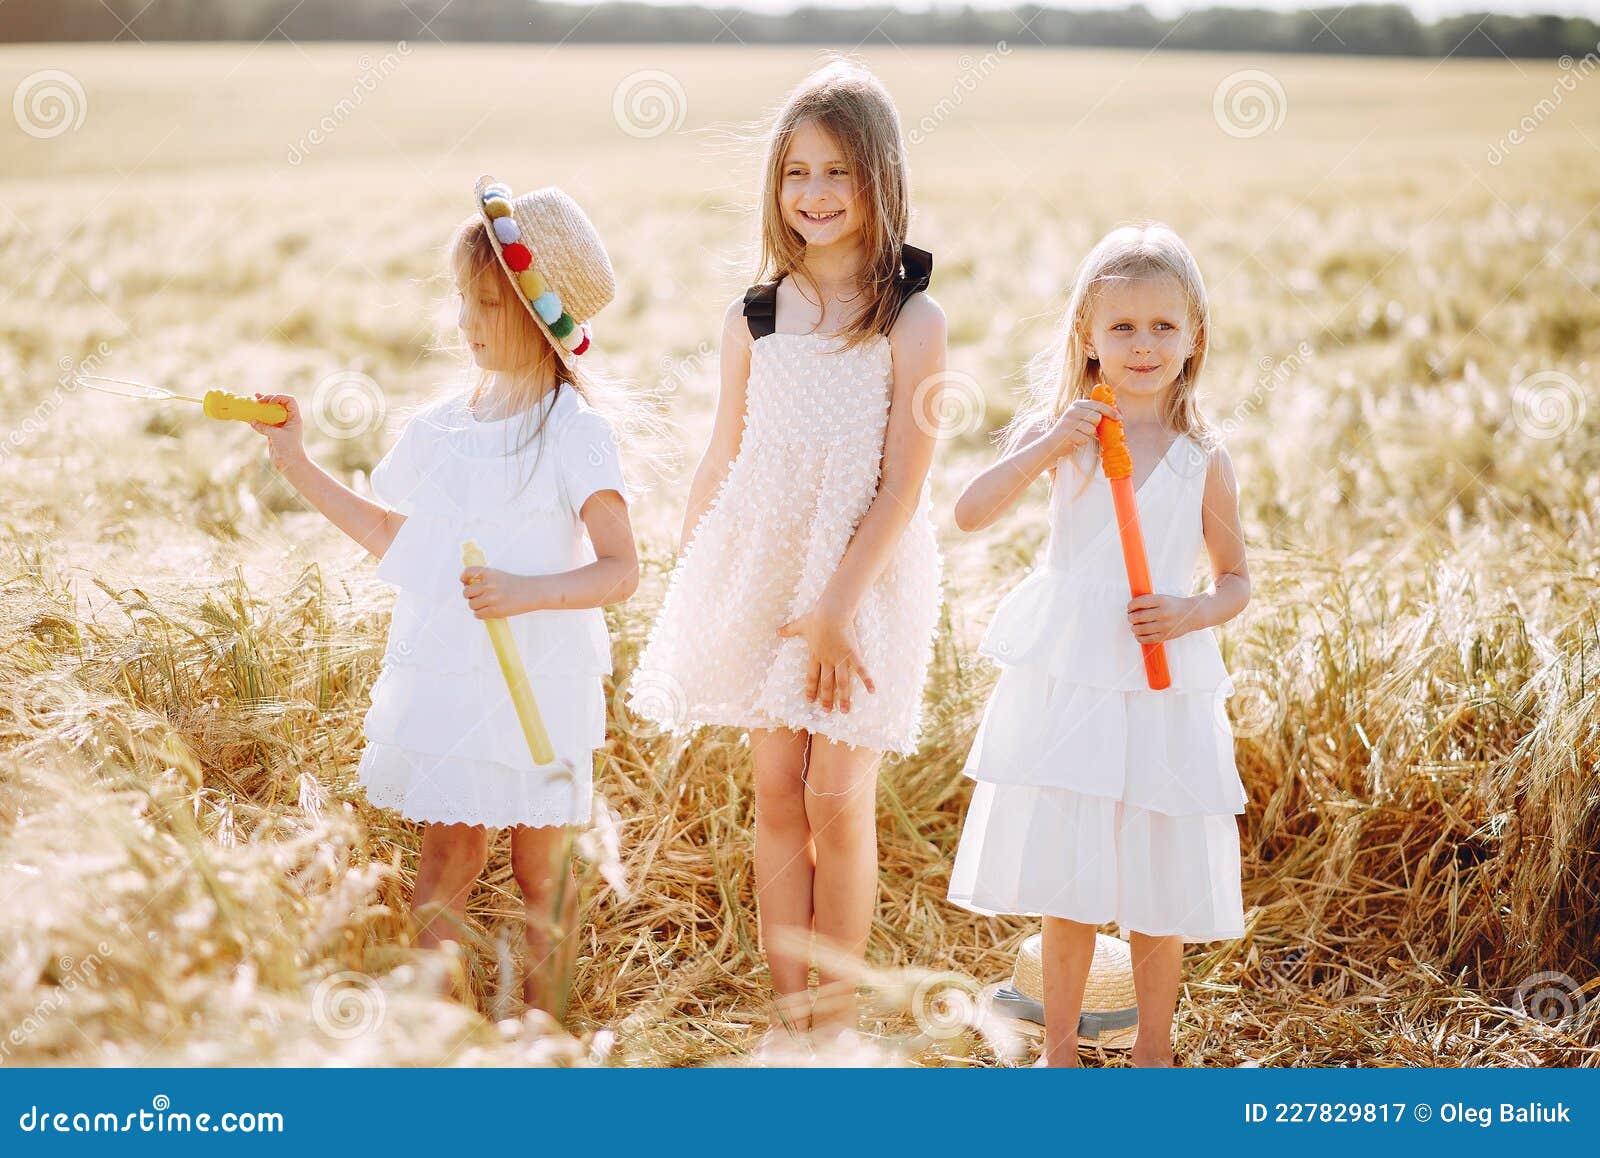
column 997, row 488
column 611, row 578
column 371, row 524
column 918, row 345
column 1224, row 536
column 727, row 428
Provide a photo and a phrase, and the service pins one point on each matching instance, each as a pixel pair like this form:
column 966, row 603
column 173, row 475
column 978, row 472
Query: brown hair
column 852, row 105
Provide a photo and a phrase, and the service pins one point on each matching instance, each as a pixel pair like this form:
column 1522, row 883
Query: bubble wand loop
column 216, row 403
column 1118, row 466
column 505, row 650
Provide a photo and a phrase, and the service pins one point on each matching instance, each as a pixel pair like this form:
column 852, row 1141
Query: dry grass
column 191, row 875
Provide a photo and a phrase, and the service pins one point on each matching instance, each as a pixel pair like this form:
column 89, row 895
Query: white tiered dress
column 1098, row 799
column 773, row 535
column 443, row 742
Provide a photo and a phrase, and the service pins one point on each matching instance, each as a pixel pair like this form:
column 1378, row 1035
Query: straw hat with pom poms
column 554, row 258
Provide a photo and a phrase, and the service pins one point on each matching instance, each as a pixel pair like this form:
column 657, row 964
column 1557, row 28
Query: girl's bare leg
column 453, row 856
column 1067, row 952
column 785, row 860
column 1157, row 971
column 550, row 902
column 840, row 802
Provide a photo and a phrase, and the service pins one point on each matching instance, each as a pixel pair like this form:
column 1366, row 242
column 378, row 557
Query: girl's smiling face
column 1141, row 332
column 817, row 193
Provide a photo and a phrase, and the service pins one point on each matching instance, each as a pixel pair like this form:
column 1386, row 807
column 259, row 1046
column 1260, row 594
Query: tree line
column 1371, row 29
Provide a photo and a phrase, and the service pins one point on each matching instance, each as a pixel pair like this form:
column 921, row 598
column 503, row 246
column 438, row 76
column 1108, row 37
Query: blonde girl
column 524, row 461
column 1099, row 799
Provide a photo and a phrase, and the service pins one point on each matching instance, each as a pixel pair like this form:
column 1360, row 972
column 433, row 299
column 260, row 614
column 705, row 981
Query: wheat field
column 1406, row 311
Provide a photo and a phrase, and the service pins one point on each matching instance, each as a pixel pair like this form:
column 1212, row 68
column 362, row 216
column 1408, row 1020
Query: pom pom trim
column 546, row 303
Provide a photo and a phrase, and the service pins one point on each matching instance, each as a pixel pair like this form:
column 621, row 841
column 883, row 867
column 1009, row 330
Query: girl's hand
column 835, row 656
column 1077, row 425
column 494, row 594
column 1158, row 618
column 285, row 444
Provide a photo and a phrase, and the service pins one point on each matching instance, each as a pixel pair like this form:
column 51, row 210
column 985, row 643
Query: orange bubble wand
column 1118, row 466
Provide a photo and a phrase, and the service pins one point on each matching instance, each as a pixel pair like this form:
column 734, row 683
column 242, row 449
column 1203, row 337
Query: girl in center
column 806, row 597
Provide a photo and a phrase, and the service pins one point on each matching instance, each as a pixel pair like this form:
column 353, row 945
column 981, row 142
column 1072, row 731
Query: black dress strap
column 761, row 301
column 761, row 308
column 918, row 273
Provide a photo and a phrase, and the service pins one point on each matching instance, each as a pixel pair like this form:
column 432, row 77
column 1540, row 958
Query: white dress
column 443, row 742
column 1098, row 799
column 773, row 535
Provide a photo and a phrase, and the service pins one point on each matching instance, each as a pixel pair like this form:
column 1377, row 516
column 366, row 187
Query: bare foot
column 789, row 1030
column 780, row 1045
column 1063, row 1057
column 444, row 971
column 782, row 1037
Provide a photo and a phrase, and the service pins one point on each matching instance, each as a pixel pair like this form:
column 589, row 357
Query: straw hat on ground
column 555, row 259
column 1110, row 1014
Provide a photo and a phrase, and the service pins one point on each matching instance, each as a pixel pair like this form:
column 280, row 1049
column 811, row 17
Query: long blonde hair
column 1063, row 372
column 852, row 105
column 630, row 411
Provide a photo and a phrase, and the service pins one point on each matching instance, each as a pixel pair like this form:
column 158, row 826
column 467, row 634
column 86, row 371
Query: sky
column 1425, row 9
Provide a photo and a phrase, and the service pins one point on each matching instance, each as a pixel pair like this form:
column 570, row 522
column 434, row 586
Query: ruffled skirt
column 448, row 749
column 1040, row 851
column 1098, row 799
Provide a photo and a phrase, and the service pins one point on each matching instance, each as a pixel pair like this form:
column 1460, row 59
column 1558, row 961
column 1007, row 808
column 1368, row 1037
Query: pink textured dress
column 806, row 471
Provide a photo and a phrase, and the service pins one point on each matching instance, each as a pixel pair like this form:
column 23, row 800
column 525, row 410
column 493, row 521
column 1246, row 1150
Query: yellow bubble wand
column 216, row 403
column 516, row 675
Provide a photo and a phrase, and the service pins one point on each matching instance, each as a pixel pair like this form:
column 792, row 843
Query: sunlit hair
column 1063, row 372
column 631, row 412
column 853, row 107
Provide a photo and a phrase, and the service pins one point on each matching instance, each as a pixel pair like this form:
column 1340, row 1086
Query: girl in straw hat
column 805, row 601
column 523, row 460
column 1099, row 799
